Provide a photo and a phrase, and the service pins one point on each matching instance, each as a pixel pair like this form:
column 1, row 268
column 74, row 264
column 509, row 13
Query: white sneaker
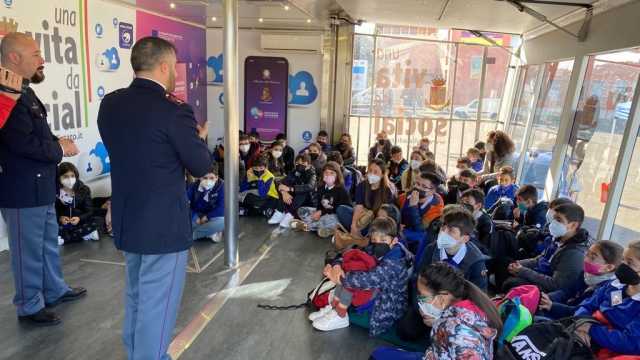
column 276, row 218
column 331, row 321
column 216, row 238
column 320, row 313
column 286, row 221
column 93, row 236
column 60, row 241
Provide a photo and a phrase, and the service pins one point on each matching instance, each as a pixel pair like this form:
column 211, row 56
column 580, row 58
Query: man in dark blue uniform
column 152, row 138
column 29, row 154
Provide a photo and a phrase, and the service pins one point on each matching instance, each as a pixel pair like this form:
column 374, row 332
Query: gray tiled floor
column 91, row 327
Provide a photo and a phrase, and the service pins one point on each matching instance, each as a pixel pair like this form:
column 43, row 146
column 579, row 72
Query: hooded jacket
column 206, row 202
column 462, row 332
column 81, row 206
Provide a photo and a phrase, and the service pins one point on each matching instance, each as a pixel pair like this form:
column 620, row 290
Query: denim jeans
column 209, row 228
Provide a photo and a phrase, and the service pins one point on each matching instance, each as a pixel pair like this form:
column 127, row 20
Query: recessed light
column 308, row 21
column 214, row 18
column 172, row 5
column 260, row 20
column 286, row 8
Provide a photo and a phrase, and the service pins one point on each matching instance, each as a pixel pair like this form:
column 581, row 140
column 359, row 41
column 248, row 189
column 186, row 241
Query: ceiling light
column 286, row 8
column 214, row 18
column 308, row 21
column 172, row 5
column 260, row 20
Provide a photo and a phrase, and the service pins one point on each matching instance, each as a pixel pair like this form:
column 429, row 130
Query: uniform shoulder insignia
column 174, row 99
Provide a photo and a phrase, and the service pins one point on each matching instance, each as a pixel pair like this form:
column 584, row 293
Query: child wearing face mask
column 388, row 280
column 258, row 193
column 206, row 197
column 318, row 158
column 474, row 199
column 506, row 188
column 295, row 191
column 600, row 264
column 74, row 208
column 409, row 176
column 475, row 157
column 419, row 207
column 331, row 194
column 397, row 166
column 463, row 321
column 345, row 148
column 275, row 162
column 453, row 247
column 616, row 305
column 381, row 149
column 528, row 211
column 249, row 151
column 288, row 154
column 564, row 267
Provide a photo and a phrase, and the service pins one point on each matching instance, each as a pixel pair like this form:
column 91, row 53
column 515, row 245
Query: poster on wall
column 266, row 95
column 191, row 69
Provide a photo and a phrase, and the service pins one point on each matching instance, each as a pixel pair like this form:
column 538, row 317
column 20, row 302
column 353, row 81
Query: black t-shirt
column 330, row 199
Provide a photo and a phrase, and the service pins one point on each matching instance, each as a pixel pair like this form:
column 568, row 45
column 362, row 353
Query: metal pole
column 483, row 77
column 528, row 130
column 231, row 140
column 622, row 169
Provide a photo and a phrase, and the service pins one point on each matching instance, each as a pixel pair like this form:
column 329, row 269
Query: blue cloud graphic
column 100, row 151
column 109, row 60
column 302, row 89
column 215, row 63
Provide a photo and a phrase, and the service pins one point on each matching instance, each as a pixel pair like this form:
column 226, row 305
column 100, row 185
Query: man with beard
column 29, row 154
column 152, row 138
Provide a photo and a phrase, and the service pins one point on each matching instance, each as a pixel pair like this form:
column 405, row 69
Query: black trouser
column 257, row 205
column 411, row 327
column 297, row 202
column 75, row 233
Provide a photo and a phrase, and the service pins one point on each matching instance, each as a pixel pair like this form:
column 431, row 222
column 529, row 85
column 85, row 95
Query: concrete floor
column 91, row 327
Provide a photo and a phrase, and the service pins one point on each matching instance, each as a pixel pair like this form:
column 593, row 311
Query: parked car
column 490, row 108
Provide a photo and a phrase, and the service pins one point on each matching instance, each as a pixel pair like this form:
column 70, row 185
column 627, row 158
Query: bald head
column 21, row 54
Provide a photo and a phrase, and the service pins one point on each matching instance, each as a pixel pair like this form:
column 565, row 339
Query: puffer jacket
column 463, row 332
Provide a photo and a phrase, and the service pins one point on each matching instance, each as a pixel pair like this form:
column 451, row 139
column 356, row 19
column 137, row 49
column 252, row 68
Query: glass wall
column 524, row 104
column 414, row 82
column 546, row 123
column 597, row 132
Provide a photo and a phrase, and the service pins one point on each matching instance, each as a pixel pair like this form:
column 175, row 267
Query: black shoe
column 41, row 318
column 71, row 295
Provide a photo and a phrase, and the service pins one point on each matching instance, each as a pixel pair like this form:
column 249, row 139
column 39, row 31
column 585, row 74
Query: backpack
column 503, row 250
column 319, row 296
column 529, row 238
column 516, row 309
column 551, row 340
column 502, row 210
column 357, row 178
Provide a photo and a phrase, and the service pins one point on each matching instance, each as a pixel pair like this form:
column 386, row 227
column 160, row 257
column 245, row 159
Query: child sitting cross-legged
column 388, row 280
column 206, row 197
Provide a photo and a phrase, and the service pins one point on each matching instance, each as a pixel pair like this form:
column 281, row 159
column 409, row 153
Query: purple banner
column 266, row 96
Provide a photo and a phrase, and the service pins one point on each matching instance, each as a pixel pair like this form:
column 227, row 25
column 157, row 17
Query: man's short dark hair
column 464, row 160
column 572, row 212
column 432, row 177
column 559, row 201
column 386, row 226
column 148, row 52
column 468, row 173
column 335, row 156
column 459, row 217
column 244, row 137
column 323, row 133
column 260, row 161
column 213, row 169
column 476, row 194
column 396, row 149
column 281, row 136
column 528, row 192
column 304, row 158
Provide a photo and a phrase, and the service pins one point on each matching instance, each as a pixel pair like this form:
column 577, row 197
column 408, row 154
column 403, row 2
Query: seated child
column 617, row 306
column 206, row 197
column 457, row 184
column 565, row 265
column 74, row 208
column 275, row 161
column 397, row 166
column 388, row 278
column 505, row 188
column 346, row 173
column 296, row 190
column 529, row 212
column 258, row 194
column 600, row 265
column 419, row 207
column 463, row 163
column 452, row 247
column 331, row 194
column 474, row 198
column 475, row 158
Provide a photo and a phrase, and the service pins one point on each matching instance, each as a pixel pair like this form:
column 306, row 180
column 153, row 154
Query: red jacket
column 358, row 260
column 6, row 106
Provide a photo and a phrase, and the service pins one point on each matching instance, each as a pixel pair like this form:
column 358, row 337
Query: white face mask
column 430, row 310
column 245, row 148
column 549, row 216
column 593, row 280
column 373, row 179
column 446, row 241
column 557, row 229
column 415, row 164
column 276, row 154
column 208, row 184
column 68, row 182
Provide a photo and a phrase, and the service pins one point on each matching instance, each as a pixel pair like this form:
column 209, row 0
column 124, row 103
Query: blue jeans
column 152, row 297
column 213, row 226
column 35, row 260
